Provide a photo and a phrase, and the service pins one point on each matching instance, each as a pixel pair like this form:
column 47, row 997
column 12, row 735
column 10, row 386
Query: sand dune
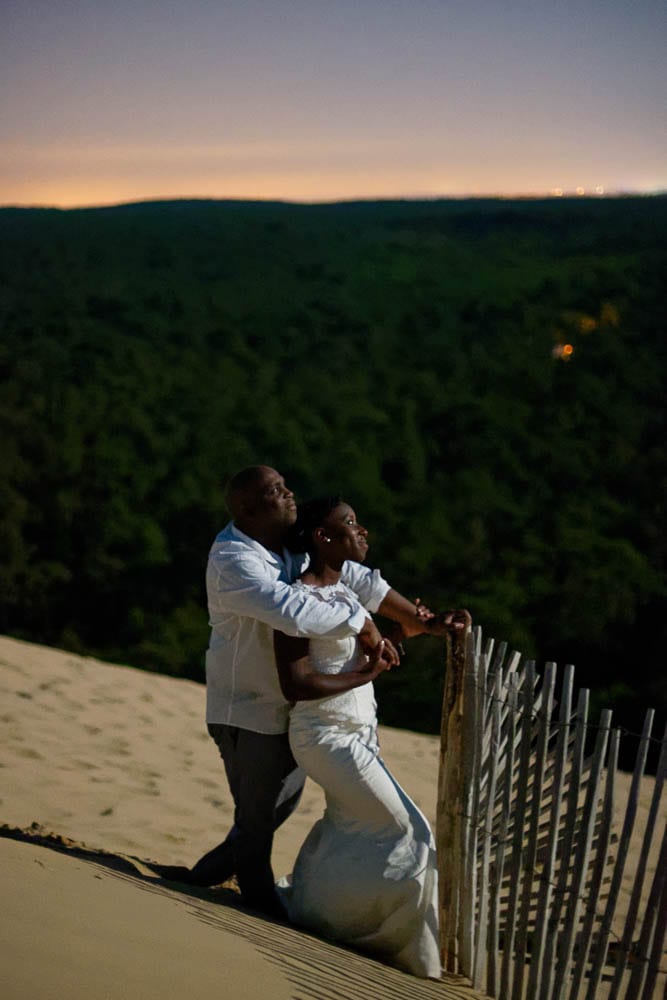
column 120, row 758
column 86, row 927
column 106, row 769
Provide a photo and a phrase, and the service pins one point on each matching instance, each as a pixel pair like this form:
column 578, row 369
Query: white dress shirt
column 249, row 596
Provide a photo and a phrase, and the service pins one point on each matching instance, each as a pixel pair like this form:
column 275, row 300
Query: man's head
column 260, row 503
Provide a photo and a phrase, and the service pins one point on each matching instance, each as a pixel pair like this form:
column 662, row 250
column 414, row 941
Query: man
column 248, row 581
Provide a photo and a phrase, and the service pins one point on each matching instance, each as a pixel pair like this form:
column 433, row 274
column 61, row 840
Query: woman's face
column 342, row 537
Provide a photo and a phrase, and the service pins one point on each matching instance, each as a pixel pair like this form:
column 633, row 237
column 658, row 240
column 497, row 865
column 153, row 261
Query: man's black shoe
column 174, row 873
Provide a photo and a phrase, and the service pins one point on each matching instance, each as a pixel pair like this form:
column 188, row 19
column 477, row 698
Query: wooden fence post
column 448, row 828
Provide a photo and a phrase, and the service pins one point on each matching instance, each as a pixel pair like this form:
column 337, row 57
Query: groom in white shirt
column 248, row 581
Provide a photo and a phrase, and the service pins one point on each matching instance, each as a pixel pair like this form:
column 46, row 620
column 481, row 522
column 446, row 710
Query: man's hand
column 425, row 622
column 369, row 636
column 417, row 619
column 372, row 643
column 452, row 622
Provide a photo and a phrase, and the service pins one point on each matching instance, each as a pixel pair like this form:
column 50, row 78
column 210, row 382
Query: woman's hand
column 418, row 623
column 423, row 613
column 379, row 659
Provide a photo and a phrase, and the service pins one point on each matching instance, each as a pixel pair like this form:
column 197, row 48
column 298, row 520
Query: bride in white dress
column 366, row 874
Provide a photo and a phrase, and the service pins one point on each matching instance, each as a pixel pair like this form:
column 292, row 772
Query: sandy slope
column 119, row 760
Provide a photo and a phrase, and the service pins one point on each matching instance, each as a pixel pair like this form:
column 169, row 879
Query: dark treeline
column 409, row 355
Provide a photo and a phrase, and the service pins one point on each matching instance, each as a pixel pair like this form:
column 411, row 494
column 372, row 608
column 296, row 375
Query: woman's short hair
column 310, row 516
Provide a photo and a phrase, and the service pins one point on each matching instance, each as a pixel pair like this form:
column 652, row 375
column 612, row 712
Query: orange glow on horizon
column 95, row 175
column 357, row 186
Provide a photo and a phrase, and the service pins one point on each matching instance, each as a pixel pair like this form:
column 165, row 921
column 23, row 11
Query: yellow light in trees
column 587, row 324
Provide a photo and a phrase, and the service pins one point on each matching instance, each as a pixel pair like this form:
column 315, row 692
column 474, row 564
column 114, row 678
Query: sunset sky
column 105, row 101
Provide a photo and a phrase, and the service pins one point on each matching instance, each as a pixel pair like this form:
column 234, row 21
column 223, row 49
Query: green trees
column 409, row 355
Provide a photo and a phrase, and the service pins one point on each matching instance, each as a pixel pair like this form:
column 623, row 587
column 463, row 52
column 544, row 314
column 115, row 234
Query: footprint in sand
column 86, row 765
column 206, row 782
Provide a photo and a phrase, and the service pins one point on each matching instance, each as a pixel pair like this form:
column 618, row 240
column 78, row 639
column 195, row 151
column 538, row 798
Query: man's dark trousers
column 266, row 785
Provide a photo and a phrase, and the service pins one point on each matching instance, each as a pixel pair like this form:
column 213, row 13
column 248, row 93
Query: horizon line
column 551, row 195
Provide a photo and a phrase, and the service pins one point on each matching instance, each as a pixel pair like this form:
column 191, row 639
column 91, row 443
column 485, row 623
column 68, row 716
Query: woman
column 366, row 873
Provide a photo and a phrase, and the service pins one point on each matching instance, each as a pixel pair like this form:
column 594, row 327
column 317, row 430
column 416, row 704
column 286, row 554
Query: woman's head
column 328, row 527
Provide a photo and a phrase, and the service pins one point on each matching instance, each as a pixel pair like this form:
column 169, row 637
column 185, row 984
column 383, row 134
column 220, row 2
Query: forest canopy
column 483, row 380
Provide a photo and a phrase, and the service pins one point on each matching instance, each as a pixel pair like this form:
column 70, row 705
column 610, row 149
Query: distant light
column 563, row 352
column 557, row 192
column 581, row 190
column 599, row 189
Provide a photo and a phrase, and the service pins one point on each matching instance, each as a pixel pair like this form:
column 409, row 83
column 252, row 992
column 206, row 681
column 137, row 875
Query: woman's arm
column 300, row 681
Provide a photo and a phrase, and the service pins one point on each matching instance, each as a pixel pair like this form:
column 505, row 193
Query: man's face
column 270, row 501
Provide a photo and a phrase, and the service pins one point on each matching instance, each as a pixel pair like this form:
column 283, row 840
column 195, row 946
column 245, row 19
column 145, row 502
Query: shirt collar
column 271, row 557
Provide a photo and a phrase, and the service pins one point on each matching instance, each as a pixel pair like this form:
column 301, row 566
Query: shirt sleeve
column 367, row 584
column 239, row 585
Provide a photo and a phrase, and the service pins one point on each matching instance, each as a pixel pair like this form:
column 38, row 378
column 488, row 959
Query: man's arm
column 240, row 585
column 414, row 619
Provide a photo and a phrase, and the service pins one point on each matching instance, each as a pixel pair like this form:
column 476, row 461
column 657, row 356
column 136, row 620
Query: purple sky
column 117, row 100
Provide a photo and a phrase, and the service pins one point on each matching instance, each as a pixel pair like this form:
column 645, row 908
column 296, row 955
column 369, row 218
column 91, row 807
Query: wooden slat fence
column 531, row 866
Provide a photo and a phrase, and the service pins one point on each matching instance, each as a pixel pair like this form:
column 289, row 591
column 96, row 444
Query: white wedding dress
column 366, row 874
